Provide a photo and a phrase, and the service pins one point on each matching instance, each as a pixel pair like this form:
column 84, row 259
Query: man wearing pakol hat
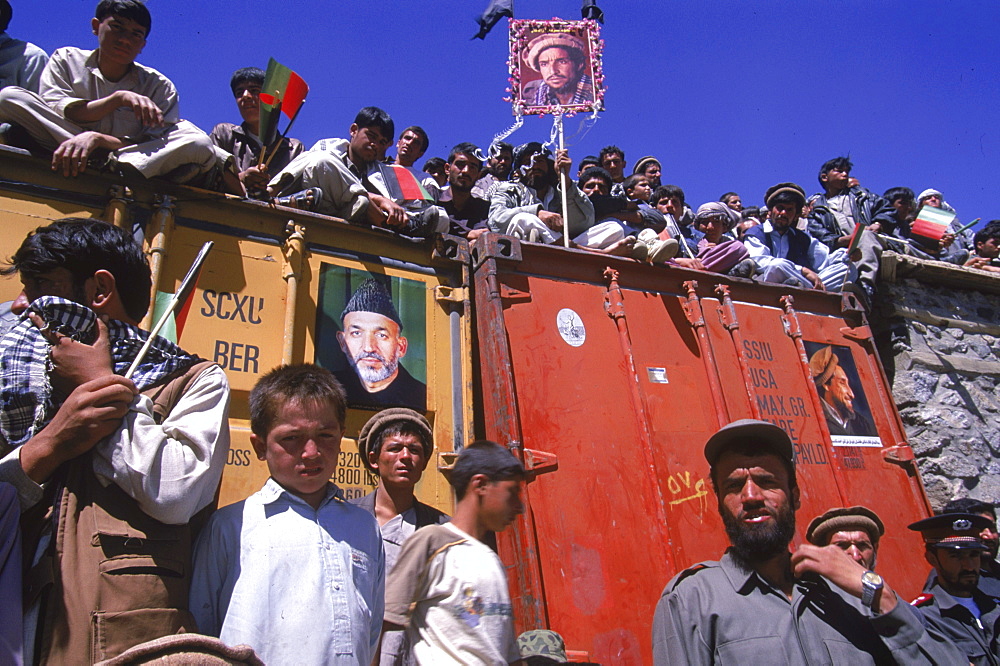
column 762, row 604
column 396, row 444
column 371, row 339
column 651, row 168
column 952, row 602
column 837, row 396
column 561, row 60
column 789, row 255
column 856, row 530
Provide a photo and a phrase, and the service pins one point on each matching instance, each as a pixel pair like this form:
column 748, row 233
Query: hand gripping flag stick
column 178, row 300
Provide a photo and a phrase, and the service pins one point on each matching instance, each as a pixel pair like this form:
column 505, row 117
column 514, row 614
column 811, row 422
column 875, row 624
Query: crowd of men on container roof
column 101, row 110
column 106, row 478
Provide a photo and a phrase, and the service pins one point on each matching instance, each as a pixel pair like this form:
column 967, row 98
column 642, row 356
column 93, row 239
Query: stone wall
column 940, row 328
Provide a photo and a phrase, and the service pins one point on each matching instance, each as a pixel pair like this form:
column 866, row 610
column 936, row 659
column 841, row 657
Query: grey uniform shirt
column 978, row 639
column 719, row 613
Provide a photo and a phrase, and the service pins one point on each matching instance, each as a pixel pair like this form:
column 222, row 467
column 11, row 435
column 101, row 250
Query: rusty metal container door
column 616, row 377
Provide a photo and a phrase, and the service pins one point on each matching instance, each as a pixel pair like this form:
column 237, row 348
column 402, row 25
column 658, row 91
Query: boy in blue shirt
column 294, row 571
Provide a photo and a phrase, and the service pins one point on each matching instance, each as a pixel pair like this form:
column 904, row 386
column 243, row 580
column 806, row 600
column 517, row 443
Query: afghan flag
column 932, row 223
column 855, row 241
column 174, row 308
column 283, row 91
column 401, row 184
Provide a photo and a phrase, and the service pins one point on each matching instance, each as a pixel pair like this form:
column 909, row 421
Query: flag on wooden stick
column 283, row 91
column 171, row 310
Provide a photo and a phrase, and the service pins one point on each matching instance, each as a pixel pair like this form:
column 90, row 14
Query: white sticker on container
column 571, row 327
column 657, row 375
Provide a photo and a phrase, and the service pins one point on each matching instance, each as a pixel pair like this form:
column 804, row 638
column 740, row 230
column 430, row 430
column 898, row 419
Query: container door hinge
column 901, row 454
column 445, row 294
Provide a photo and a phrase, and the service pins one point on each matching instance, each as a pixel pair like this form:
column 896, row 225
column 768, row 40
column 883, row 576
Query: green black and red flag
column 283, row 91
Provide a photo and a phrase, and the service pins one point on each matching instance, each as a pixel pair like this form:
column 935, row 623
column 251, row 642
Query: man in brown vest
column 109, row 471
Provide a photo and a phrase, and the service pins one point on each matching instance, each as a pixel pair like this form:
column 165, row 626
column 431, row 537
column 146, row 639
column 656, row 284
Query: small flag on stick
column 401, row 185
column 178, row 307
column 855, row 241
column 283, row 91
column 932, row 223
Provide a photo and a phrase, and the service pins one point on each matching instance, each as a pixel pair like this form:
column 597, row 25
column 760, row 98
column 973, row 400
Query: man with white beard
column 371, row 339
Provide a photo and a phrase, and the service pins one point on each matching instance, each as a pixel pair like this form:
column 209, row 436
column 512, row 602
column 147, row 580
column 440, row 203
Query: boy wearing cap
column 448, row 589
column 762, row 604
column 293, row 571
column 855, row 530
column 718, row 251
column 952, row 602
column 396, row 444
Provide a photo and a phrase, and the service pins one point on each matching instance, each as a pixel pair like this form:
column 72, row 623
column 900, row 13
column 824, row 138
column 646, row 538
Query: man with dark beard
column 953, row 602
column 373, row 343
column 762, row 604
column 467, row 213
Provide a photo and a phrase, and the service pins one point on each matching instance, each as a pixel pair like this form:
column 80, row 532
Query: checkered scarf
column 582, row 95
column 26, row 400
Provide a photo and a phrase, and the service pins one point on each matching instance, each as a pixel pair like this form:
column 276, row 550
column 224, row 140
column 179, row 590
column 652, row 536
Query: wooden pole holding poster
column 563, row 182
column 555, row 67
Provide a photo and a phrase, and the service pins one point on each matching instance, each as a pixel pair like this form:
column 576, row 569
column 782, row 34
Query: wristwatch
column 871, row 583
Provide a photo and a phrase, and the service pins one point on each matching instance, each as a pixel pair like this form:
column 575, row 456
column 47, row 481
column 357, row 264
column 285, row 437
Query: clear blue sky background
column 729, row 94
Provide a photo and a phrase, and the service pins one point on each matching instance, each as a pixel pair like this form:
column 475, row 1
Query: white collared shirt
column 299, row 585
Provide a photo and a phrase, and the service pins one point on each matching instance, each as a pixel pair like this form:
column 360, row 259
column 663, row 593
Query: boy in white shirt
column 448, row 589
column 294, row 571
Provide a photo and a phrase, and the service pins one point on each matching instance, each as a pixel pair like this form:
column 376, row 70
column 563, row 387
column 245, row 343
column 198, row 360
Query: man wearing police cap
column 372, row 341
column 762, row 604
column 952, row 602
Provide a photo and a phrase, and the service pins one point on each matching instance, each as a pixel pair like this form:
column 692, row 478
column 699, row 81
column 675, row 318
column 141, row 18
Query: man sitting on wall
column 243, row 141
column 343, row 178
column 101, row 107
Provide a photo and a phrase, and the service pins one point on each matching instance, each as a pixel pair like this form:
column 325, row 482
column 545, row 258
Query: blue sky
column 729, row 94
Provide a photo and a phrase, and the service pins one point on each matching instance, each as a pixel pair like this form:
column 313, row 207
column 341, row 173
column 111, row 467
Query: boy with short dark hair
column 637, row 188
column 101, row 107
column 448, row 589
column 294, row 571
column 243, row 141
